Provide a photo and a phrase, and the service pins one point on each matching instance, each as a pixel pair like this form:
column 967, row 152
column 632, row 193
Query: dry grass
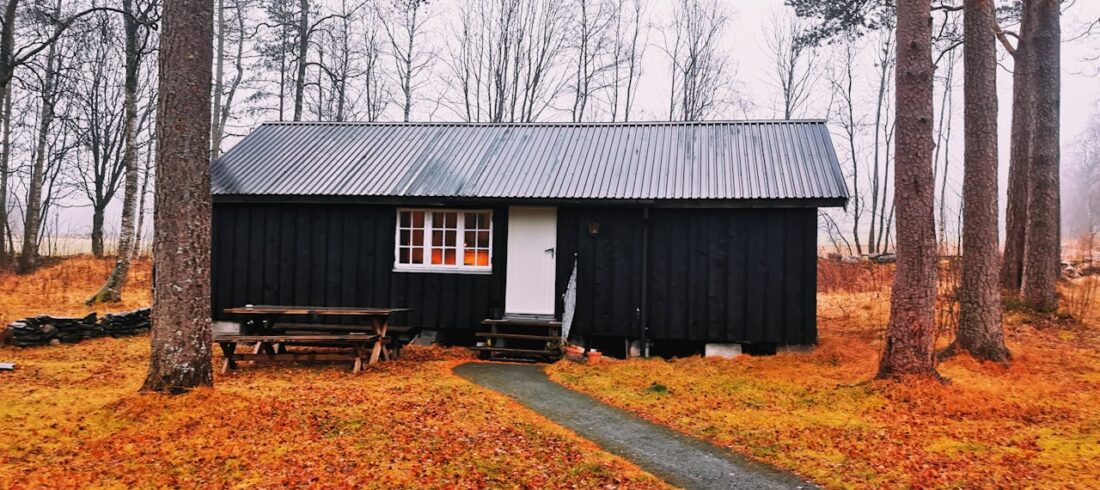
column 61, row 288
column 71, row 417
column 1035, row 424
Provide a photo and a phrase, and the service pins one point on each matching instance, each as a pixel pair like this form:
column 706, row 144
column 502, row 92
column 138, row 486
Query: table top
column 312, row 310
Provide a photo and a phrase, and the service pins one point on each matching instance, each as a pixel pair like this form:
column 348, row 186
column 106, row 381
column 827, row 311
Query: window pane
column 476, row 258
column 432, row 238
column 444, row 220
column 476, row 239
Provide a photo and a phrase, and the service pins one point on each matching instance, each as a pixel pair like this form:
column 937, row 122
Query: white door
column 532, row 242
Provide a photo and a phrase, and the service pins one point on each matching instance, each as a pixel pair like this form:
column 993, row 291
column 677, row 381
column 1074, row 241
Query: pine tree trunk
column 1012, row 264
column 1042, row 246
column 180, row 335
column 909, row 334
column 112, row 288
column 980, row 330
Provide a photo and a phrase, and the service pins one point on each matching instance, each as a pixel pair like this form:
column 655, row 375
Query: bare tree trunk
column 634, row 60
column 97, row 231
column 909, row 334
column 112, row 288
column 1042, row 245
column 410, row 59
column 850, row 128
column 141, row 200
column 877, row 180
column 943, row 143
column 303, row 53
column 7, row 45
column 980, row 331
column 5, row 161
column 224, row 108
column 32, row 220
column 1012, row 264
column 180, row 335
column 219, row 84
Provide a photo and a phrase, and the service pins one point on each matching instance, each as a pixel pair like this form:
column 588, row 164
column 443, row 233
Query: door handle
column 550, row 251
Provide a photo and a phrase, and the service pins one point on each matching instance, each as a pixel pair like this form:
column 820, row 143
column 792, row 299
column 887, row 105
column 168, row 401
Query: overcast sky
column 745, row 38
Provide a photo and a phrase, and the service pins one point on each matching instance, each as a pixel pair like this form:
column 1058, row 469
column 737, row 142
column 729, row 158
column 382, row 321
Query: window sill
column 444, row 270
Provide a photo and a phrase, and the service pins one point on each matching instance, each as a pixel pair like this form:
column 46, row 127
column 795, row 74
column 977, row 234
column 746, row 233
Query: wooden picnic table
column 272, row 335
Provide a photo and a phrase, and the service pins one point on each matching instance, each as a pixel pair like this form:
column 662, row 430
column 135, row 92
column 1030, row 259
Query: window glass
column 443, row 240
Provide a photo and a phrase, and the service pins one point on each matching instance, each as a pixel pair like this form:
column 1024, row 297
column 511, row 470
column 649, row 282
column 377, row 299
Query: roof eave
column 816, row 202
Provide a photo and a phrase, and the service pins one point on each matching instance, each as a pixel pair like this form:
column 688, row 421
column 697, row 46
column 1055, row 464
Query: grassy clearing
column 60, row 288
column 71, row 417
column 1035, row 424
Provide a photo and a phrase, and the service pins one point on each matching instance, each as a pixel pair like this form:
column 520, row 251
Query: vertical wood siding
column 721, row 275
column 341, row 254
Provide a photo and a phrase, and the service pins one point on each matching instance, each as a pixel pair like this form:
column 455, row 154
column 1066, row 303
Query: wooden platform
column 521, row 339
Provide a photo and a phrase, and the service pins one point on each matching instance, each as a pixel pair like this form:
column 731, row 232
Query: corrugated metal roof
column 643, row 161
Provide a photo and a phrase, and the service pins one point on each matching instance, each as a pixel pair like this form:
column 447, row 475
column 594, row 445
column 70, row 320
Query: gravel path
column 680, row 460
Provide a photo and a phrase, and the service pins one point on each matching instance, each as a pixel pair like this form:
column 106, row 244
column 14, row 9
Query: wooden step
column 502, row 350
column 532, row 322
column 517, row 336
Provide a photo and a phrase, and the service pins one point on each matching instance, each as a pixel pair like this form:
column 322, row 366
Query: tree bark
column 1012, row 264
column 97, row 231
column 112, row 288
column 910, row 332
column 32, row 220
column 980, row 330
column 1042, row 245
column 180, row 335
column 303, row 53
column 219, row 83
column 5, row 161
column 141, row 201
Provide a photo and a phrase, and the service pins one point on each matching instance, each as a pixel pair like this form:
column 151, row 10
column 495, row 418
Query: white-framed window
column 444, row 240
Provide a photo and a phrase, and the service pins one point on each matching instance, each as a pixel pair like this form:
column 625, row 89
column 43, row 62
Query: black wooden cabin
column 679, row 233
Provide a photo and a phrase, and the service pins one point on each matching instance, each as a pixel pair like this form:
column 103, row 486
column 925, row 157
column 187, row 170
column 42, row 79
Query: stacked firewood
column 46, row 330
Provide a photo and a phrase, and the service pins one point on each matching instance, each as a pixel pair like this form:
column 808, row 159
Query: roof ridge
column 720, row 122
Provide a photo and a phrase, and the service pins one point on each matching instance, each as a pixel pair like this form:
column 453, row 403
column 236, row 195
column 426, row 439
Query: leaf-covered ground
column 1035, row 424
column 70, row 417
column 61, row 287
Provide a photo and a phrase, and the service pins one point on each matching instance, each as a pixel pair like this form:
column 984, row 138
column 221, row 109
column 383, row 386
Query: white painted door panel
column 532, row 242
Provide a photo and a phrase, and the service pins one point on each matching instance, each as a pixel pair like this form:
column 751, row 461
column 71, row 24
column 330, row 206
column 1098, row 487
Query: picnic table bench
column 368, row 338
